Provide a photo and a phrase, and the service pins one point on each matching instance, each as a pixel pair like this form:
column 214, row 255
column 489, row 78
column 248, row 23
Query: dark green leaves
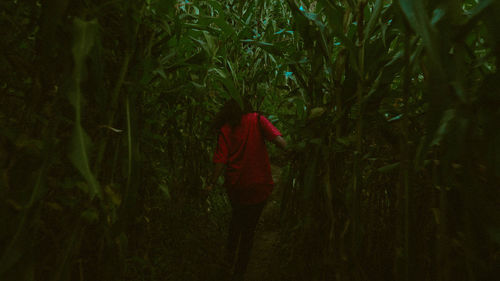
column 269, row 47
column 417, row 17
column 85, row 33
column 374, row 18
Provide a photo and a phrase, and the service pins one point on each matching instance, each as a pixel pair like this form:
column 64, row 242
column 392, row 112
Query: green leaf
column 163, row 6
column 227, row 80
column 166, row 191
column 90, row 215
column 483, row 4
column 211, row 44
column 418, row 19
column 225, row 27
column 316, row 112
column 80, row 145
column 334, row 15
column 268, row 47
column 233, row 73
column 85, row 33
column 373, row 19
column 448, row 115
column 130, row 145
column 300, row 106
column 18, row 245
column 231, row 89
column 388, row 168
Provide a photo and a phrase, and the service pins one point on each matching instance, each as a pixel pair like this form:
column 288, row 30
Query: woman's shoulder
column 253, row 115
column 249, row 116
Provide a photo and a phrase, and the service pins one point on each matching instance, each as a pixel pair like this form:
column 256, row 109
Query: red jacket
column 243, row 150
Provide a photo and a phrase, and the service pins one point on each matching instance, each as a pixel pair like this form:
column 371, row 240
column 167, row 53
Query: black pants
column 241, row 232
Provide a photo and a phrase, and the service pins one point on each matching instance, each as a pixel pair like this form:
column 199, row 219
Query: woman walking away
column 242, row 151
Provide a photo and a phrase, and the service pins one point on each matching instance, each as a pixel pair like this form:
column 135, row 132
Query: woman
column 248, row 180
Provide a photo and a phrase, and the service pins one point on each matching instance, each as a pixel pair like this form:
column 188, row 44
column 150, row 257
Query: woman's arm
column 280, row 142
column 219, row 167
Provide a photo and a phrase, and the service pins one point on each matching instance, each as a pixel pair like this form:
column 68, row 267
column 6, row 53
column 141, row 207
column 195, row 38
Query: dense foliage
column 391, row 109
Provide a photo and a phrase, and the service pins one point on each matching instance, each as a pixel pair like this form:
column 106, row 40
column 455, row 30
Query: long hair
column 231, row 113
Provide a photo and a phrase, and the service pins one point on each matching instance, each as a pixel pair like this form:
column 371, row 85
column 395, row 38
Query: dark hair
column 231, row 113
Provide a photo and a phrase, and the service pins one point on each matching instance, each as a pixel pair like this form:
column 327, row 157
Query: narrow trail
column 266, row 236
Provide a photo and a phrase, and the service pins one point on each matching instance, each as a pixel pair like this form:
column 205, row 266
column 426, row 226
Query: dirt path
column 266, row 236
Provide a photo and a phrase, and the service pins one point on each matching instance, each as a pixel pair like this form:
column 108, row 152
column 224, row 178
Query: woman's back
column 242, row 149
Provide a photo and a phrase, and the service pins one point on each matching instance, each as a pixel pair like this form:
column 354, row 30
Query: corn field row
column 391, row 109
